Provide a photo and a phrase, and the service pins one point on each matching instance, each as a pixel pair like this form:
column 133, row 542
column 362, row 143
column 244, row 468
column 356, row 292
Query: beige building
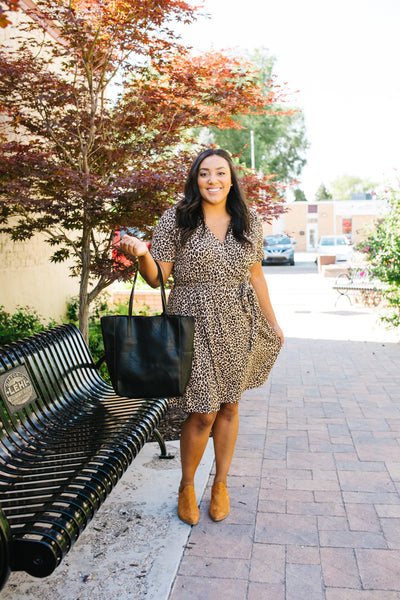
column 27, row 277
column 306, row 222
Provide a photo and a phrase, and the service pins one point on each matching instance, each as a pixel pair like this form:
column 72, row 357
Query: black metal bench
column 357, row 284
column 65, row 441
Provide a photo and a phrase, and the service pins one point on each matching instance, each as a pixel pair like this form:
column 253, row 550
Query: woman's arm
column 132, row 246
column 259, row 284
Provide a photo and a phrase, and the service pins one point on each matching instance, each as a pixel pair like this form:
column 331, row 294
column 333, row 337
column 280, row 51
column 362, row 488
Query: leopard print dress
column 234, row 345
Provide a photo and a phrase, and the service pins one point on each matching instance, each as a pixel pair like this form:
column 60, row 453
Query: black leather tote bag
column 148, row 357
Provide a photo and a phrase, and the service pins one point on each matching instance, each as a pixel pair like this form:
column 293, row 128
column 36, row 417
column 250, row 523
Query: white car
column 335, row 245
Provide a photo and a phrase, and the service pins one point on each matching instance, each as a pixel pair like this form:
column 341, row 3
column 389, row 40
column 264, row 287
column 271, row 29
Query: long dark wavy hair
column 189, row 210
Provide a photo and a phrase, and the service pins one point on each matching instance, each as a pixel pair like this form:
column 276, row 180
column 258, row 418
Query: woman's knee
column 202, row 421
column 229, row 411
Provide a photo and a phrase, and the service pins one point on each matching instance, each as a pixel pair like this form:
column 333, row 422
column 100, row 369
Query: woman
column 212, row 243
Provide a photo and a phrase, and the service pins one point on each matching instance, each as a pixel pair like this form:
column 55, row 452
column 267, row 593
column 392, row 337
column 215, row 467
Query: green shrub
column 23, row 323
column 381, row 249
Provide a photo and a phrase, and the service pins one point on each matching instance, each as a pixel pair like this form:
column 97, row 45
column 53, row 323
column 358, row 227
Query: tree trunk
column 84, row 315
column 83, row 288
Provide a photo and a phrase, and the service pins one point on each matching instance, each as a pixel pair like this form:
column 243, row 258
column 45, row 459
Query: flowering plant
column 381, row 249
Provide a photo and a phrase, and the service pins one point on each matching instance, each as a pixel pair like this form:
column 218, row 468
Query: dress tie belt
column 247, row 299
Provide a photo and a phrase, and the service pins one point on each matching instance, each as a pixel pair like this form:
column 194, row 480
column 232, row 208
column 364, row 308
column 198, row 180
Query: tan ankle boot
column 188, row 511
column 219, row 506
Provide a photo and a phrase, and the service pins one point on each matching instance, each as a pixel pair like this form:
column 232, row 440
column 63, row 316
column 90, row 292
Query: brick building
column 305, row 222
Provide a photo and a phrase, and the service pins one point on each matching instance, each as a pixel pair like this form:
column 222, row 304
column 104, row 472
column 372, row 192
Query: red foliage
column 11, row 5
column 91, row 158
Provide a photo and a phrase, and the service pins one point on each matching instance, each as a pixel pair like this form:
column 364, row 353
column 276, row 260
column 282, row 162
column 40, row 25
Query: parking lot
column 307, row 306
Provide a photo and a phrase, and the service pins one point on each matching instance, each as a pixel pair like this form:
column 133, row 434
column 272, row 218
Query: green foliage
column 23, row 323
column 299, row 195
column 342, row 187
column 280, row 141
column 391, row 311
column 381, row 249
column 322, row 193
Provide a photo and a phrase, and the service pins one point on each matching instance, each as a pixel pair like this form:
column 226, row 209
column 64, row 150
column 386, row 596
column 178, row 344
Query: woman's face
column 214, row 180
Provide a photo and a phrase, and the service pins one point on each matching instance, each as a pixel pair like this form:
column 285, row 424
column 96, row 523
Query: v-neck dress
column 234, row 345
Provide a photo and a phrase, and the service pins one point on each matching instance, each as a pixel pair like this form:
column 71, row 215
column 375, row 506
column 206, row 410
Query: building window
column 312, row 208
column 347, row 226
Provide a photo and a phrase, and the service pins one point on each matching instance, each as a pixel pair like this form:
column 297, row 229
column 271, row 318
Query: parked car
column 278, row 249
column 335, row 245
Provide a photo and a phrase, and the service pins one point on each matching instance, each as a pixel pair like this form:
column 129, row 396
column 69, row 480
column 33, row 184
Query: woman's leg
column 194, row 438
column 225, row 430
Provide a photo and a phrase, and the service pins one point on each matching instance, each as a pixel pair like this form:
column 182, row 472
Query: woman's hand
column 133, row 246
column 279, row 333
column 259, row 284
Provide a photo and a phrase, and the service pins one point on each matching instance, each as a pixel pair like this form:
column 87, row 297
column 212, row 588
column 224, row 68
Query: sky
column 343, row 57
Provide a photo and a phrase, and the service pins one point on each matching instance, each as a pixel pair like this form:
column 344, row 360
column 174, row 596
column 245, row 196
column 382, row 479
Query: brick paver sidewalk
column 314, row 484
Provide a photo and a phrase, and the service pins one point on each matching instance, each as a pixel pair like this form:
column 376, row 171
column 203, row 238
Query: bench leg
column 343, row 294
column 161, row 443
column 5, row 537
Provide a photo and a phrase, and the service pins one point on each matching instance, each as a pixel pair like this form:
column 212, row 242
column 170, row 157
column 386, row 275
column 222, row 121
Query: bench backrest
column 46, row 377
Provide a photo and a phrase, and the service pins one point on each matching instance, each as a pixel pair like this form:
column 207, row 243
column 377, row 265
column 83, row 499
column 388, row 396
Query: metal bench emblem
column 17, row 388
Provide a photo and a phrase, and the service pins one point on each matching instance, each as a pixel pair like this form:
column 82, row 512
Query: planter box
column 325, row 260
column 335, row 270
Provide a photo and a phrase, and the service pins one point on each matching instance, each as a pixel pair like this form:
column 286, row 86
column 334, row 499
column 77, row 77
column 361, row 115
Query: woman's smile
column 214, row 179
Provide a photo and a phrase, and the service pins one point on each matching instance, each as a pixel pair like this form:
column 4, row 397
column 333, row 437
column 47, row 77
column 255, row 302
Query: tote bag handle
column 161, row 281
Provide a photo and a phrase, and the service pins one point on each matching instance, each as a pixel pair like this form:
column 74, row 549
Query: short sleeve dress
column 234, row 345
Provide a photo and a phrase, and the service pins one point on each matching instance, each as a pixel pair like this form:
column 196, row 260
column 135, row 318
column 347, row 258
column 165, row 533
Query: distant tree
column 322, row 193
column 280, row 142
column 342, row 187
column 84, row 160
column 299, row 195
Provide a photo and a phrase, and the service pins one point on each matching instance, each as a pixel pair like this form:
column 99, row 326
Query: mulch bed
column 170, row 426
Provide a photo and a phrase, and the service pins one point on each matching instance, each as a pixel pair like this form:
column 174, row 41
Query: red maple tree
column 101, row 116
column 8, row 6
